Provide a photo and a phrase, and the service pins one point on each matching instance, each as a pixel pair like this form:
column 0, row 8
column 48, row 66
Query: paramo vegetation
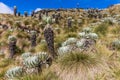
column 61, row 44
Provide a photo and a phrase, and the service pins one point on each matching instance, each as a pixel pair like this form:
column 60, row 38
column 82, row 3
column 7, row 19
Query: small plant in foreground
column 14, row 72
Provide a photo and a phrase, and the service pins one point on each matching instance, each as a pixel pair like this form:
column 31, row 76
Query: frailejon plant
column 116, row 44
column 88, row 34
column 25, row 13
column 49, row 37
column 69, row 22
column 53, row 15
column 69, row 41
column 15, row 10
column 47, row 19
column 59, row 15
column 92, row 36
column 32, row 62
column 80, row 43
column 12, row 45
column 40, row 16
column 79, row 21
column 53, row 20
column 56, row 19
column 46, row 13
column 64, row 50
column 26, row 55
column 15, row 72
column 33, row 38
column 33, row 13
column 87, row 39
column 19, row 14
column 82, row 34
column 85, row 43
column 87, row 30
column 43, row 56
column 42, row 41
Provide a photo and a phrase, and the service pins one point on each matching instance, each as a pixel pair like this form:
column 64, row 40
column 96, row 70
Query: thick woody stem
column 49, row 37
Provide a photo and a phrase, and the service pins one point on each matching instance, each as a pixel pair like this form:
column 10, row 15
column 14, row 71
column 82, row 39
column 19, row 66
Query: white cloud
column 5, row 9
column 38, row 9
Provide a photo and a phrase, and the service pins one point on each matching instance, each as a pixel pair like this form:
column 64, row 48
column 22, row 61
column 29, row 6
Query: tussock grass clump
column 6, row 34
column 71, row 34
column 101, row 29
column 41, row 47
column 2, row 73
column 116, row 30
column 80, row 66
column 32, row 50
column 5, row 62
column 116, row 74
column 21, row 34
column 73, row 60
column 46, row 75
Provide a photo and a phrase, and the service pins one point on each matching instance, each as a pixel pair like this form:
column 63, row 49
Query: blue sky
column 29, row 5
